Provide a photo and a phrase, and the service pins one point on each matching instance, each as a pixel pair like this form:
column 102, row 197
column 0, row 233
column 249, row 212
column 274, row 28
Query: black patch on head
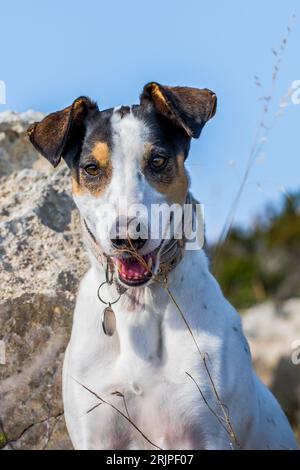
column 165, row 139
column 163, row 134
column 98, row 130
column 123, row 111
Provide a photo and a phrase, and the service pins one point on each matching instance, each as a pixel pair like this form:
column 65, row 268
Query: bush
column 263, row 263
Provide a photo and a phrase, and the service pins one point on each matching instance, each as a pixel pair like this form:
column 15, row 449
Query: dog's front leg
column 213, row 437
column 100, row 429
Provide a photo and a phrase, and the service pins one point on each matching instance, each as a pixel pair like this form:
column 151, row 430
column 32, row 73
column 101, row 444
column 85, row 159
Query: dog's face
column 124, row 161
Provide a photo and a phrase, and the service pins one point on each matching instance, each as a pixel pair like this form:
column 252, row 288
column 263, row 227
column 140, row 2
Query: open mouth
column 133, row 271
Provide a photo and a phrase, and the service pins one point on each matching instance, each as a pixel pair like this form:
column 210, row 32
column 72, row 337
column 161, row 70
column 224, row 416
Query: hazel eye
column 158, row 162
column 92, row 169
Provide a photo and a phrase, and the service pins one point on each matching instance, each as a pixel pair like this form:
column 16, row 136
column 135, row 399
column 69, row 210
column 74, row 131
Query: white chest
column 138, row 378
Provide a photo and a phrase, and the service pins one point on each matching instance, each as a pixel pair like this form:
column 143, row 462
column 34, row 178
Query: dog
column 157, row 357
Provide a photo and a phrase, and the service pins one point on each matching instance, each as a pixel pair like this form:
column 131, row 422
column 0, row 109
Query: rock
column 16, row 152
column 42, row 260
column 272, row 331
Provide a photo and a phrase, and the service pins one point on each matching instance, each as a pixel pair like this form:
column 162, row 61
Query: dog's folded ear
column 188, row 108
column 63, row 131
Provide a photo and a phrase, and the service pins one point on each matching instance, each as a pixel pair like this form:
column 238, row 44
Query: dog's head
column 124, row 161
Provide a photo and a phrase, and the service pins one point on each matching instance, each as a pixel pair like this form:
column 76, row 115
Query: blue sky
column 54, row 51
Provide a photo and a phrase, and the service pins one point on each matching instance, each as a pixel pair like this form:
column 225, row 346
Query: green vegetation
column 2, row 440
column 263, row 263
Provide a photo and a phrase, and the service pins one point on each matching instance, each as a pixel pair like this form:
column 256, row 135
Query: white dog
column 157, row 357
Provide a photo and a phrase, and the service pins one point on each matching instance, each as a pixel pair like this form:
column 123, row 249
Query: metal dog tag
column 109, row 321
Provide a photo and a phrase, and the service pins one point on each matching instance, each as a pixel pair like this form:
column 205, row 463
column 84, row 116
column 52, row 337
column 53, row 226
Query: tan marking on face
column 96, row 186
column 101, row 153
column 83, row 184
column 77, row 188
column 175, row 190
column 146, row 154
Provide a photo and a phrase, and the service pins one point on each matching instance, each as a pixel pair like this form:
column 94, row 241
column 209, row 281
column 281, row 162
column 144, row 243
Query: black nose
column 126, row 241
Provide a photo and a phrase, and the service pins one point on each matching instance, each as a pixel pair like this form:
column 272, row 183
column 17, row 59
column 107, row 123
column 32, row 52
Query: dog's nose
column 121, row 243
column 132, row 236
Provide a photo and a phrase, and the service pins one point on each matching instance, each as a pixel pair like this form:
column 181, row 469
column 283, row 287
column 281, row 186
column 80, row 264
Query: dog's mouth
column 135, row 271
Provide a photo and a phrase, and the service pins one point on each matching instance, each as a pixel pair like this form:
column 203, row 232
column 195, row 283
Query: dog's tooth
column 150, row 263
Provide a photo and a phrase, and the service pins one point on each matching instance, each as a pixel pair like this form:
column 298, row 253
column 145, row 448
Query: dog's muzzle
column 133, row 268
column 129, row 264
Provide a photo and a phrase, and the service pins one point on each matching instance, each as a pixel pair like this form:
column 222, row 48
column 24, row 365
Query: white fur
column 148, row 357
column 128, row 183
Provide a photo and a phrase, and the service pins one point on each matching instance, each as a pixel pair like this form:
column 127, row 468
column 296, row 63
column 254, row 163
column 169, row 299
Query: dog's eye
column 158, row 162
column 92, row 169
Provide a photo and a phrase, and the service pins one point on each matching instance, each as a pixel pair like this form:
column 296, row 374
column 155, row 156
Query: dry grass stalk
column 102, row 401
column 261, row 137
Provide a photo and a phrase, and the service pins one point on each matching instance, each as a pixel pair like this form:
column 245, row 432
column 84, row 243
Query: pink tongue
column 131, row 268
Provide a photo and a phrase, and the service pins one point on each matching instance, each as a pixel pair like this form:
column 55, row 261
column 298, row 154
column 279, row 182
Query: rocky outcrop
column 273, row 332
column 41, row 262
column 16, row 151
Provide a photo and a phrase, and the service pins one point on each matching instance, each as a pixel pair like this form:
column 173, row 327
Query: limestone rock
column 273, row 331
column 16, row 152
column 41, row 262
